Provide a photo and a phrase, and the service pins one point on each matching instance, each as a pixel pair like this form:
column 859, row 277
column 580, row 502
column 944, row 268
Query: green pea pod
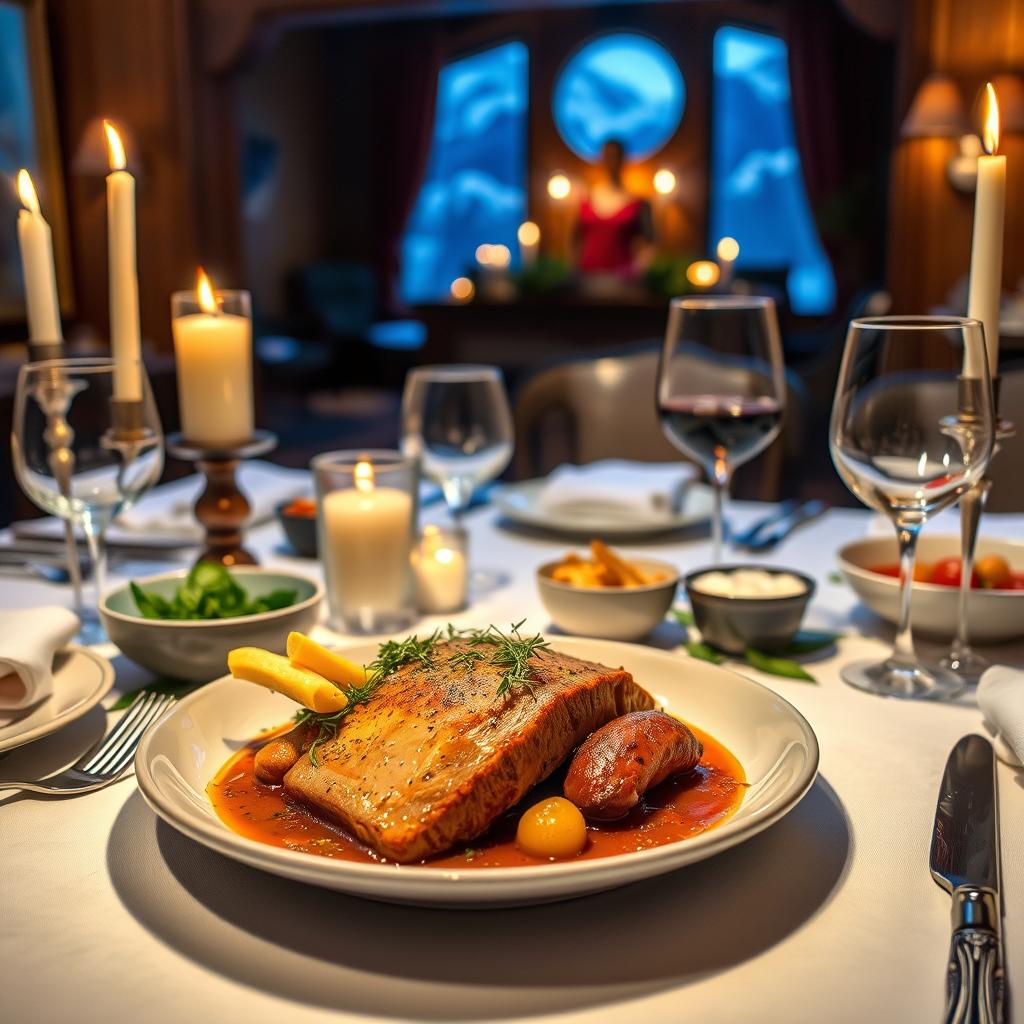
column 774, row 666
column 704, row 652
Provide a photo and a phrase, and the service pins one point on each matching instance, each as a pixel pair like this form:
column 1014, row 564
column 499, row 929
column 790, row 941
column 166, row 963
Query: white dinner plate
column 81, row 679
column 518, row 502
column 777, row 748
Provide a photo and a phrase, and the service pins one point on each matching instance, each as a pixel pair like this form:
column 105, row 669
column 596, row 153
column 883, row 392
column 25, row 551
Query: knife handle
column 975, row 990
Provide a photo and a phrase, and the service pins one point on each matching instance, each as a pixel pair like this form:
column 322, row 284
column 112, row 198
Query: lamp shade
column 937, row 111
column 1010, row 91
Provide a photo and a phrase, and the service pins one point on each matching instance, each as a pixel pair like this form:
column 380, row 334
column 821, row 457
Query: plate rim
column 442, row 882
column 76, row 711
column 619, row 529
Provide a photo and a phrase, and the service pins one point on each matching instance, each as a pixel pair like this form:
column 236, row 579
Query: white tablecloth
column 830, row 916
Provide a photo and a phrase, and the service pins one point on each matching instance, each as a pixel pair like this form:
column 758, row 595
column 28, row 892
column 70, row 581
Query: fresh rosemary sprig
column 510, row 651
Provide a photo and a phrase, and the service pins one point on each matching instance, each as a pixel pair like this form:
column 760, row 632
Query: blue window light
column 474, row 189
column 757, row 192
column 621, row 86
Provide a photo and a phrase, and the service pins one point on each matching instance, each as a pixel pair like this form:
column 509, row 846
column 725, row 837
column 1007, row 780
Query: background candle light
column 986, row 281
column 703, row 274
column 125, row 334
column 440, row 566
column 213, row 350
column 529, row 243
column 727, row 251
column 35, row 241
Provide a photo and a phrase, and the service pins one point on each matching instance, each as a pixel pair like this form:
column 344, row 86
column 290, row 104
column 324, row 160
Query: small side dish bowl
column 611, row 613
column 197, row 650
column 993, row 616
column 299, row 529
column 732, row 624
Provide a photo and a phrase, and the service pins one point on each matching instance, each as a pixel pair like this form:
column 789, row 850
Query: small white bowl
column 612, row 613
column 197, row 650
column 993, row 616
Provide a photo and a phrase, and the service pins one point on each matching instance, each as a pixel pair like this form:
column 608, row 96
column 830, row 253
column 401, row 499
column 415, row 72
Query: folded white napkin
column 29, row 638
column 640, row 492
column 1001, row 699
column 167, row 510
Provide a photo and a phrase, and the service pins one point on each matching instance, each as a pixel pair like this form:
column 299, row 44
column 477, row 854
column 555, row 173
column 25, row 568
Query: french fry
column 310, row 689
column 629, row 574
column 308, row 654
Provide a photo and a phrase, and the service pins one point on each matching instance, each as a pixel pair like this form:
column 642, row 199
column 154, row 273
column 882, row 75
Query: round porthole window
column 620, row 86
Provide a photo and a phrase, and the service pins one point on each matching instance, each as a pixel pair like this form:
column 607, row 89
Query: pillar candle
column 213, row 352
column 367, row 535
column 441, row 572
column 124, row 283
column 986, row 280
column 36, row 244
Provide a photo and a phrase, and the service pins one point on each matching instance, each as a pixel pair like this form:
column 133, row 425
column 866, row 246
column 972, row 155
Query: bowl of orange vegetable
column 606, row 595
column 995, row 606
column 298, row 520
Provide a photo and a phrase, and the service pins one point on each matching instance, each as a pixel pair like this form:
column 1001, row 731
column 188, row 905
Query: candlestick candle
column 439, row 564
column 365, row 538
column 35, row 241
column 213, row 350
column 986, row 281
column 125, row 333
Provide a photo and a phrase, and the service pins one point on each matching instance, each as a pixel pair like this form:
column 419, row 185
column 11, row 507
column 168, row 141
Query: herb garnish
column 509, row 651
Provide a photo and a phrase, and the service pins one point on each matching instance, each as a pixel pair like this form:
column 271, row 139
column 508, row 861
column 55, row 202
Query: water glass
column 366, row 524
column 912, row 429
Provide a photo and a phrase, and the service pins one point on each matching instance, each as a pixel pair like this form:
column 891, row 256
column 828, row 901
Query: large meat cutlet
column 436, row 755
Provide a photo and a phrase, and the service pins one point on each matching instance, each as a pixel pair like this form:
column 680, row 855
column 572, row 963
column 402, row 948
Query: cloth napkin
column 29, row 638
column 1001, row 699
column 640, row 492
column 167, row 510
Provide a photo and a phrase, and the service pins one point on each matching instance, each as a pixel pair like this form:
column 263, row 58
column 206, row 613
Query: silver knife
column 965, row 862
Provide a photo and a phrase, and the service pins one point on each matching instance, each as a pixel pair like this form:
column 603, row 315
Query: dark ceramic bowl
column 732, row 624
column 300, row 531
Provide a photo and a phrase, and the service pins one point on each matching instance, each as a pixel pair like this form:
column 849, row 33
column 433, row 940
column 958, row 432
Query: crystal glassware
column 83, row 455
column 721, row 386
column 366, row 524
column 456, row 420
column 901, row 442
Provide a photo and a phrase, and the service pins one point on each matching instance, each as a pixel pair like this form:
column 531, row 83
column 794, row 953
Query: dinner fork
column 108, row 762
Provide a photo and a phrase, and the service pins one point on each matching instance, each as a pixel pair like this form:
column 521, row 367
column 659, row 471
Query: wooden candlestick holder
column 222, row 508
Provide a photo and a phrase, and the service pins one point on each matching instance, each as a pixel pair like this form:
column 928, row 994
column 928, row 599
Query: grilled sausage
column 618, row 763
column 274, row 759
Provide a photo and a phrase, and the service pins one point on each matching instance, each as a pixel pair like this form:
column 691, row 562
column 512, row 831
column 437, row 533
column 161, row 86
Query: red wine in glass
column 720, row 428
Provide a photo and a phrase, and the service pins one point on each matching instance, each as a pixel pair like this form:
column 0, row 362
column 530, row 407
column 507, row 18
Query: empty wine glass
column 77, row 457
column 456, row 420
column 721, row 386
column 912, row 429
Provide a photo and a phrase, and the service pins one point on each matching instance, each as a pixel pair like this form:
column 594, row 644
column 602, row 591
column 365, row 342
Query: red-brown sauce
column 677, row 809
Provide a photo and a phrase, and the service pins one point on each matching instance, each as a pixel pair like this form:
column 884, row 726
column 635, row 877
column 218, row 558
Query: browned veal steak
column 436, row 755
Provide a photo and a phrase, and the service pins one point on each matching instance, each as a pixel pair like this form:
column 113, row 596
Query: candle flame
column 204, row 292
column 990, row 131
column 115, row 147
column 27, row 191
column 364, row 476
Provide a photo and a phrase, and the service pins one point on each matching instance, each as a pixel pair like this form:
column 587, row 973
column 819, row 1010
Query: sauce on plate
column 679, row 808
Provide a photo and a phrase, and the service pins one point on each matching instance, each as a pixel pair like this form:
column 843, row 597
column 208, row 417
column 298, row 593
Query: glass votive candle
column 366, row 525
column 441, row 567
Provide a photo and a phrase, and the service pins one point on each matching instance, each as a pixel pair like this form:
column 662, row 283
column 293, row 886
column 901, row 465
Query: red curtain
column 404, row 83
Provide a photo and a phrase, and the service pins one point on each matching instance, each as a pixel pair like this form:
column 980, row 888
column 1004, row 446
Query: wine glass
column 721, row 386
column 456, row 420
column 83, row 455
column 912, row 429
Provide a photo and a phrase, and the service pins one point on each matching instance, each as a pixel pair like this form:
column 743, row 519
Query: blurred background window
column 757, row 188
column 474, row 189
column 621, row 86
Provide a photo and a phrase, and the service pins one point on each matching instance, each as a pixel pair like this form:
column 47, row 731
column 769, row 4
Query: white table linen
column 829, row 916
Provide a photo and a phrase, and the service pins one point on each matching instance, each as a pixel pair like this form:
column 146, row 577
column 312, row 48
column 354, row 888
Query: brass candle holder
column 222, row 508
column 962, row 659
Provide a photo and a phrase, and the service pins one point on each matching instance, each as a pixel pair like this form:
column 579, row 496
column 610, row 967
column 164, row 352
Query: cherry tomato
column 947, row 572
column 1015, row 582
column 993, row 571
column 922, row 571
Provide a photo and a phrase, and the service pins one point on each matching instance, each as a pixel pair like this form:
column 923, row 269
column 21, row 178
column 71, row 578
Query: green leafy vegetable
column 808, row 641
column 705, row 652
column 777, row 666
column 835, row 577
column 683, row 616
column 209, row 592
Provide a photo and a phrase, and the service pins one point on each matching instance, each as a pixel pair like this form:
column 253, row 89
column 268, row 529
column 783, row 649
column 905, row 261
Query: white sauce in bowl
column 749, row 583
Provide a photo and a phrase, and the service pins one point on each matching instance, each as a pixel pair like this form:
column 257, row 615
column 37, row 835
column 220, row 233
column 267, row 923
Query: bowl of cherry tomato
column 298, row 520
column 995, row 606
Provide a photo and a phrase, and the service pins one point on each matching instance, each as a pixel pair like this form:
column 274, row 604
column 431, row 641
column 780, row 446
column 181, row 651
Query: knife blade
column 965, row 862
